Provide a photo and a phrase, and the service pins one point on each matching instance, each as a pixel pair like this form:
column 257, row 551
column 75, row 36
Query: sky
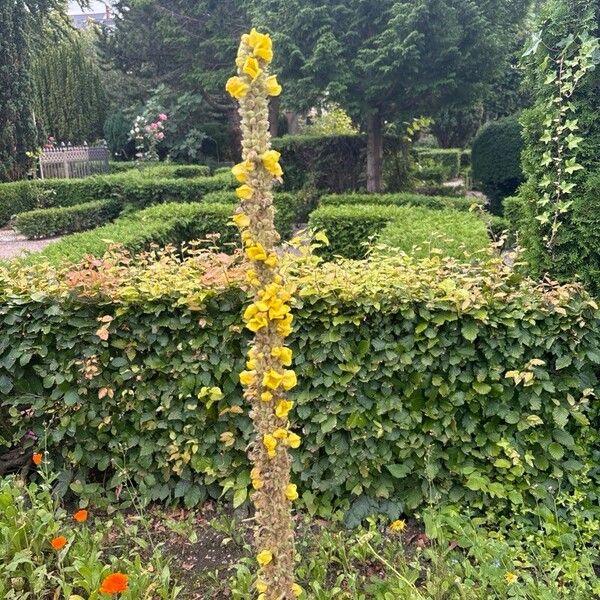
column 95, row 7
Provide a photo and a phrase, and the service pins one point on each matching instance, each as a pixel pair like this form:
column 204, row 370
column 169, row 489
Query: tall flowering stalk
column 267, row 378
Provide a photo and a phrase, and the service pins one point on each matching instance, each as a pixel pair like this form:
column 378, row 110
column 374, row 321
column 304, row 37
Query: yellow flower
column 266, row 396
column 283, row 409
column 294, row 440
column 283, row 354
column 289, row 380
column 257, row 484
column 297, row 590
column 241, row 220
column 272, row 379
column 270, row 161
column 257, row 323
column 398, row 526
column 240, row 171
column 280, row 434
column 244, row 192
column 227, row 438
column 261, row 586
column 252, row 38
column 291, row 492
column 256, row 252
column 251, row 364
column 264, row 48
column 250, row 312
column 284, row 327
column 237, row 87
column 273, row 87
column 510, row 578
column 264, row 558
column 271, row 260
column 252, row 68
column 270, row 443
column 278, row 310
column 247, row 377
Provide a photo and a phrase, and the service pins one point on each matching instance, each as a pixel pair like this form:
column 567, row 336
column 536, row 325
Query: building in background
column 98, row 12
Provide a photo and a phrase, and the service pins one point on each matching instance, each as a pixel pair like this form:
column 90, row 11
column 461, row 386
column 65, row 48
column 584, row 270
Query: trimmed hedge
column 129, row 188
column 419, row 381
column 450, row 158
column 496, row 160
column 290, row 209
column 161, row 170
column 403, row 199
column 158, row 225
column 48, row 222
column 351, row 228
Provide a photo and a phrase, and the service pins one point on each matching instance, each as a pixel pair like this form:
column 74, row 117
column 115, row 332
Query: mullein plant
column 267, row 378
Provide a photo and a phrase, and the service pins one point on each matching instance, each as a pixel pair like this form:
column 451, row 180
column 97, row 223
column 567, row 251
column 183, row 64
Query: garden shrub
column 160, row 225
column 403, row 199
column 448, row 158
column 48, row 222
column 290, row 209
column 351, row 228
column 337, row 163
column 419, row 381
column 134, row 188
column 496, row 160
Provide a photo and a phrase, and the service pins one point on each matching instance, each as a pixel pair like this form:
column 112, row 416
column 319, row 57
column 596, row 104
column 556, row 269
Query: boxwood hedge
column 450, row 158
column 47, row 222
column 402, row 199
column 418, row 380
column 135, row 188
column 352, row 229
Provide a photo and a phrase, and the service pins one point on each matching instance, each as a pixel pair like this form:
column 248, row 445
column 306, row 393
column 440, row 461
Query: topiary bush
column 496, row 160
column 419, row 381
column 351, row 230
column 160, row 225
column 48, row 222
column 136, row 188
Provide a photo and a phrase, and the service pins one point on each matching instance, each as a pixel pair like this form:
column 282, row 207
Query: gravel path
column 13, row 244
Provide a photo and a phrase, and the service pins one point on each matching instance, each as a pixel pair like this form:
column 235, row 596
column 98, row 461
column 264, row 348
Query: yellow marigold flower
column 247, row 377
column 511, row 578
column 264, row 48
column 261, row 586
column 237, row 87
column 244, row 192
column 291, row 492
column 283, row 409
column 294, row 440
column 269, row 442
column 252, row 68
column 273, row 87
column 257, row 484
column 270, row 161
column 266, row 396
column 297, row 590
column 289, row 380
column 272, row 379
column 257, row 323
column 280, row 434
column 398, row 526
column 240, row 171
column 264, row 558
column 283, row 354
column 271, row 261
column 256, row 252
column 241, row 220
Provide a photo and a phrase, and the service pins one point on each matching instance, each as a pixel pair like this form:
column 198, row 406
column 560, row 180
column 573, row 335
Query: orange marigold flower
column 59, row 542
column 115, row 583
column 81, row 516
column 37, row 458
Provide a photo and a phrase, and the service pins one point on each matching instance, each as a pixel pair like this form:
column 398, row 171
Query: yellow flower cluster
column 272, row 306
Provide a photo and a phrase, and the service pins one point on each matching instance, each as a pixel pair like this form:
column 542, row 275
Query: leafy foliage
column 421, row 380
column 47, row 222
column 450, row 158
column 496, row 160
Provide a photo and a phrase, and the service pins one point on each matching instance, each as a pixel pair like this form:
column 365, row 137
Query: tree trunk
column 274, row 116
column 292, row 119
column 375, row 153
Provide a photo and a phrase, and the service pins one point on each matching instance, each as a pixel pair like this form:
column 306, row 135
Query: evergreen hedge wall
column 419, row 380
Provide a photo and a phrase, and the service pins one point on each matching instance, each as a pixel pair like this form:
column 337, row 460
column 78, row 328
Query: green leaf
column 556, row 451
column 239, row 497
column 470, row 331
